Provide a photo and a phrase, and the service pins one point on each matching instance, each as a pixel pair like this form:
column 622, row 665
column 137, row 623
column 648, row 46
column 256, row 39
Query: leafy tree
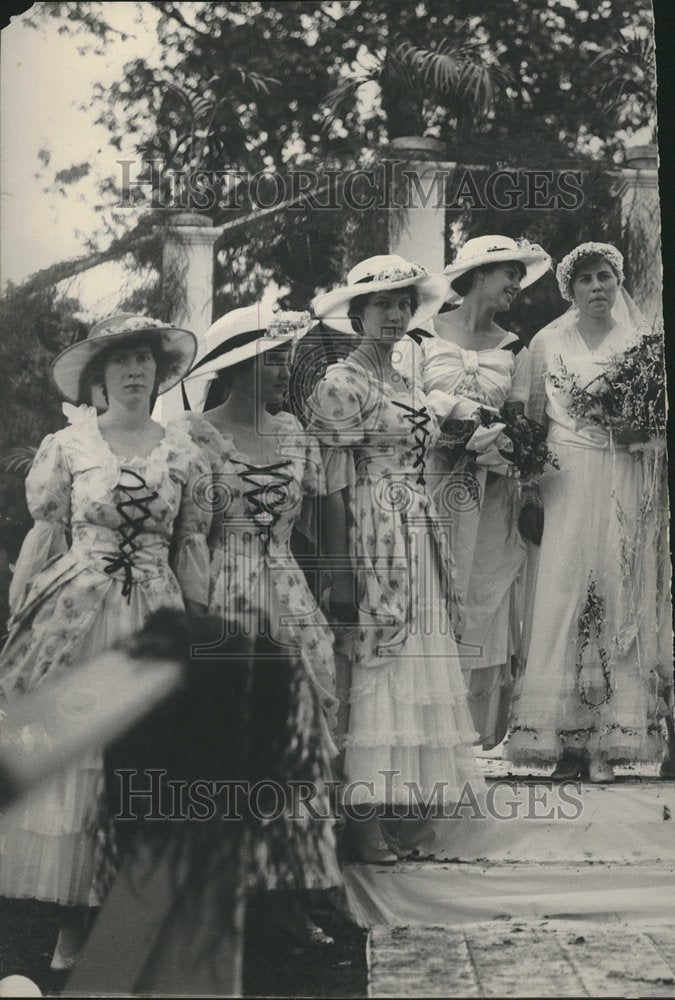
column 258, row 86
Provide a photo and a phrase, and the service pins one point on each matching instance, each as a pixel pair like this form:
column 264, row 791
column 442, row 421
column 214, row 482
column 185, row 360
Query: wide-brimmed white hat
column 244, row 333
column 387, row 271
column 483, row 250
column 67, row 368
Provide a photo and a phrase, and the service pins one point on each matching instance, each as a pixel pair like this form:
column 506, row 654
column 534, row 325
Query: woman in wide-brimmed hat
column 409, row 729
column 266, row 473
column 473, row 361
column 108, row 494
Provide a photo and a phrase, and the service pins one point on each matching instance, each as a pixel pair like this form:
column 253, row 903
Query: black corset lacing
column 130, row 528
column 419, row 419
column 266, row 498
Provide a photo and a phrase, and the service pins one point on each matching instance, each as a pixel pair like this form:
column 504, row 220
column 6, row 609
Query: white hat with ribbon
column 482, row 250
column 244, row 333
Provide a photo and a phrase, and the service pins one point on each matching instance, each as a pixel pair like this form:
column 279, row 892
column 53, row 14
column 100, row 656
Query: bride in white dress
column 599, row 662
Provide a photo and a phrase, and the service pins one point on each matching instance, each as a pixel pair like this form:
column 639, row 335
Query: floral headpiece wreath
column 566, row 266
column 288, row 323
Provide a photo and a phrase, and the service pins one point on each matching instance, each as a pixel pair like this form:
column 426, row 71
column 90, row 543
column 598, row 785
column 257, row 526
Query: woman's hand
column 531, row 523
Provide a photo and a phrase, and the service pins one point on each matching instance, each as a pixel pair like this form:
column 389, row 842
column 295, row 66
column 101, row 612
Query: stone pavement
column 543, row 958
column 545, row 908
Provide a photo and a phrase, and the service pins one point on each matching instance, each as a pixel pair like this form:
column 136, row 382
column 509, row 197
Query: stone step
column 513, row 958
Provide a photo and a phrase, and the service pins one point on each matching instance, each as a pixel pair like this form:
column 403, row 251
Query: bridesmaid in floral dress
column 470, row 362
column 266, row 475
column 107, row 493
column 409, row 721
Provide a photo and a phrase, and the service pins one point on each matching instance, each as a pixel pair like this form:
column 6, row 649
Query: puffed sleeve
column 48, row 487
column 538, row 370
column 336, row 420
column 334, row 411
column 520, row 380
column 191, row 561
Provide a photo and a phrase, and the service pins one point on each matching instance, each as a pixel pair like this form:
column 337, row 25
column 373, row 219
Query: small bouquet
column 507, row 443
column 630, row 394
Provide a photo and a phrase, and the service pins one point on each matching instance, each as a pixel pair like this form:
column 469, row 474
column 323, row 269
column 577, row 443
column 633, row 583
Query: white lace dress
column 481, row 510
column 600, row 655
column 92, row 569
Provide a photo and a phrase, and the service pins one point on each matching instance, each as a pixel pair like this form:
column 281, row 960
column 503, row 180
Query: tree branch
column 70, row 268
column 170, row 11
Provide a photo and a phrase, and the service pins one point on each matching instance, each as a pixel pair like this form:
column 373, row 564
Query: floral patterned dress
column 487, row 549
column 409, row 720
column 257, row 588
column 92, row 569
column 600, row 654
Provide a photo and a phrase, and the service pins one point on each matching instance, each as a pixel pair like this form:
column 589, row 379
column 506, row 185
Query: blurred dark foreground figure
column 172, row 922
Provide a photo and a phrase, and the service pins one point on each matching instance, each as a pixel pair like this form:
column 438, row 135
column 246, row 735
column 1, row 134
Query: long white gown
column 488, row 552
column 599, row 658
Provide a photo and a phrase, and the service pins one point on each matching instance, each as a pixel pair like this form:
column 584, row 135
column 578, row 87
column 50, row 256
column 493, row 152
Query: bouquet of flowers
column 506, row 442
column 630, row 394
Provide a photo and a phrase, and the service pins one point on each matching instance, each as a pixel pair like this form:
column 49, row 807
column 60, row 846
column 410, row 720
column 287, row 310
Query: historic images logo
column 390, row 184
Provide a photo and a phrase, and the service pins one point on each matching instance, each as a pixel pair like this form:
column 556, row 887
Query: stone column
column 417, row 231
column 639, row 194
column 187, row 263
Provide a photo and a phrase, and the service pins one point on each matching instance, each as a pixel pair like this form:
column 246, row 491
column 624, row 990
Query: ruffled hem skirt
column 594, row 679
column 49, row 842
column 410, row 734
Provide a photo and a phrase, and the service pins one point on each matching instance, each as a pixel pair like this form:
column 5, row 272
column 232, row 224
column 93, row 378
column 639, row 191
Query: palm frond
column 339, row 101
column 460, row 71
column 18, row 460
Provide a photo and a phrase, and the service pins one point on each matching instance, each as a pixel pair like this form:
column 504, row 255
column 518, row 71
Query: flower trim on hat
column 132, row 323
column 396, row 274
column 524, row 244
column 566, row 266
column 400, row 274
column 288, row 323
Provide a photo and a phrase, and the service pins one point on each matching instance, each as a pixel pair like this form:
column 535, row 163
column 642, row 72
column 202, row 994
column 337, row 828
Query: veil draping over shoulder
column 625, row 313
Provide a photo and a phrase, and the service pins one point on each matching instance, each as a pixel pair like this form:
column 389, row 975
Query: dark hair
column 464, row 283
column 589, row 260
column 359, row 302
column 221, row 386
column 169, row 362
